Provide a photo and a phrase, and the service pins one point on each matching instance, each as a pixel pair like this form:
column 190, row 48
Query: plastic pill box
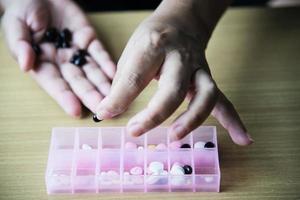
column 95, row 160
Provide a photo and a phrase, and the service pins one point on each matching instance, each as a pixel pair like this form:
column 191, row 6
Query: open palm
column 71, row 86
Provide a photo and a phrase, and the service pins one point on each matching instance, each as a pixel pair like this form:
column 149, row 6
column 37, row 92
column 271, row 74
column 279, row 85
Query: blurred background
column 117, row 5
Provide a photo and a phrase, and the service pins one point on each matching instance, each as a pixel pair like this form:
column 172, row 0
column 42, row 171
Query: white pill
column 156, row 167
column 140, row 148
column 113, row 174
column 126, row 173
column 136, row 170
column 86, row 147
column 176, row 169
column 199, row 145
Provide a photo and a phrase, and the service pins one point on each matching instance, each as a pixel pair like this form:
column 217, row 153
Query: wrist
column 196, row 16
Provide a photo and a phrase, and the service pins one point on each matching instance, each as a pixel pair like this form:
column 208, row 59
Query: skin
column 169, row 46
column 24, row 22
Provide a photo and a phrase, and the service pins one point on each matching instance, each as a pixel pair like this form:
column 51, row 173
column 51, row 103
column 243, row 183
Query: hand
column 170, row 45
column 24, row 23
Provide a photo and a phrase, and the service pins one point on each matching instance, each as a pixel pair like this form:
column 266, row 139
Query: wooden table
column 254, row 57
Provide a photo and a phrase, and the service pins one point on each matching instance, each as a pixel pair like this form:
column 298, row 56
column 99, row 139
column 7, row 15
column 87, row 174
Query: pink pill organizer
column 104, row 166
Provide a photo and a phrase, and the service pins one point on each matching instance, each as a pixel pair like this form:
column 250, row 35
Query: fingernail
column 104, row 114
column 135, row 129
column 250, row 138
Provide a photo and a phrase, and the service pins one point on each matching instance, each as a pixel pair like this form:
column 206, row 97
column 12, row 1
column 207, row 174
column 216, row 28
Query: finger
column 172, row 89
column 49, row 78
column 101, row 56
column 97, row 77
column 199, row 108
column 142, row 63
column 228, row 117
column 82, row 37
column 83, row 88
column 19, row 41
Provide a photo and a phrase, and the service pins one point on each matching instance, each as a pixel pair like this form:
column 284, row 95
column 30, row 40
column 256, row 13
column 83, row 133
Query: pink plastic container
column 73, row 168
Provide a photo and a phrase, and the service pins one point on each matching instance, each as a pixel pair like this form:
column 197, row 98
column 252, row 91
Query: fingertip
column 177, row 132
column 135, row 129
column 242, row 139
column 70, row 104
column 102, row 111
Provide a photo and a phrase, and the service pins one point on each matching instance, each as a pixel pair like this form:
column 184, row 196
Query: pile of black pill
column 61, row 39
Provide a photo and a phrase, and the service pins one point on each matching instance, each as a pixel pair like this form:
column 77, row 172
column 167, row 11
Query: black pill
column 81, row 52
column 51, row 35
column 78, row 60
column 65, row 44
column 95, row 118
column 66, row 35
column 185, row 146
column 209, row 145
column 59, row 42
column 187, row 169
column 37, row 50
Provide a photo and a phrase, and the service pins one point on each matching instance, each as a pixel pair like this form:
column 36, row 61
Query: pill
column 37, row 50
column 176, row 170
column 95, row 118
column 161, row 146
column 136, row 171
column 156, row 167
column 112, row 174
column 199, row 145
column 184, row 146
column 151, row 146
column 209, row 145
column 140, row 148
column 81, row 52
column 78, row 60
column 175, row 145
column 86, row 147
column 130, row 145
column 66, row 35
column 187, row 169
column 126, row 173
column 51, row 35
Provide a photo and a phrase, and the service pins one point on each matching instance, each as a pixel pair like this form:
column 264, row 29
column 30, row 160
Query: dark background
column 117, row 5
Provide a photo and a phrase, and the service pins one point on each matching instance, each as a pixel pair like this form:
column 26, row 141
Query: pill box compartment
column 86, row 148
column 60, row 161
column 180, row 182
column 133, row 180
column 157, row 182
column 206, row 161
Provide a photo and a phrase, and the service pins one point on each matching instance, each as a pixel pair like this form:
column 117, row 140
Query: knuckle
column 179, row 90
column 134, row 80
column 157, row 38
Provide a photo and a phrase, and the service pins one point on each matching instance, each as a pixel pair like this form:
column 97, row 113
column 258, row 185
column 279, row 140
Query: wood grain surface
column 254, row 55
